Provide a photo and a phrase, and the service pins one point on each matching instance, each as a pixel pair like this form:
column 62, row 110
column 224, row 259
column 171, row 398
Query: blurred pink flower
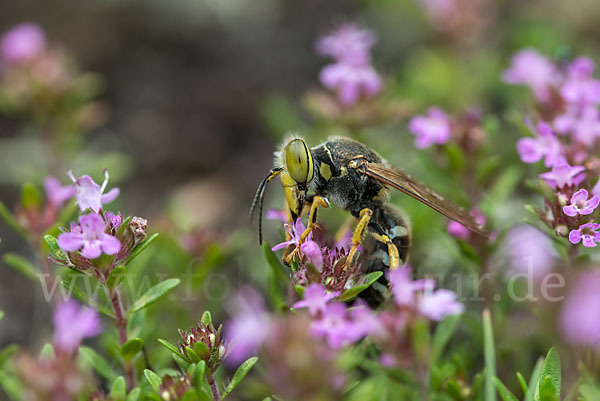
column 315, row 299
column 587, row 234
column 351, row 81
column 582, row 122
column 457, row 230
column 580, row 204
column 313, row 252
column 580, row 87
column 248, row 328
column 56, row 193
column 91, row 195
column 73, row 323
column 529, row 67
column 544, row 145
column 578, row 319
column 528, row 251
column 342, row 326
column 433, row 128
column 275, row 214
column 22, row 43
column 90, row 235
column 563, row 175
column 437, row 304
column 348, row 44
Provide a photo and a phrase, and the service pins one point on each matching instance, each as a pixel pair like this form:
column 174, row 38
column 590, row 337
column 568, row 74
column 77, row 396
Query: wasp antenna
column 259, row 198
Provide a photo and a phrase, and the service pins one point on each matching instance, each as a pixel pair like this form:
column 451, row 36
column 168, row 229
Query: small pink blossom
column 564, row 175
column 587, row 234
column 529, row 67
column 579, row 321
column 351, row 81
column 433, row 128
column 90, row 235
column 56, row 193
column 348, row 44
column 529, row 251
column 457, row 230
column 22, row 43
column 580, row 87
column 580, row 204
column 544, row 145
column 294, row 231
column 313, row 252
column 91, row 195
column 315, row 299
column 274, row 214
column 72, row 324
column 440, row 303
column 582, row 122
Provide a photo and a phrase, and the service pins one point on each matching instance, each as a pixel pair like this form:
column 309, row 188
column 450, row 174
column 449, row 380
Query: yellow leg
column 392, row 250
column 365, row 216
column 312, row 223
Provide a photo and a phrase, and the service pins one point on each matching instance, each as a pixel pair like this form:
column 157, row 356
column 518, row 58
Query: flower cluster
column 206, row 342
column 352, row 74
column 565, row 139
column 98, row 232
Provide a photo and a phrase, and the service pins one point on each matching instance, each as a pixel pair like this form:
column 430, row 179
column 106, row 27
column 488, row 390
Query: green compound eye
column 298, row 161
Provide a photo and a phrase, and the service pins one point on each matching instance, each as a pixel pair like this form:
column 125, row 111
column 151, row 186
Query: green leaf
column 116, row 277
column 140, row 248
column 239, row 375
column 504, row 392
column 131, row 348
column 522, row 382
column 10, row 220
column 442, row 335
column 118, row 391
column 8, row 352
column 190, row 395
column 489, row 356
column 154, row 294
column 182, row 361
column 55, row 250
column 134, row 395
column 198, row 375
column 154, row 379
column 547, row 392
column 1, row 314
column 534, row 380
column 206, row 318
column 30, row 196
column 364, row 283
column 123, row 226
column 20, row 264
column 551, row 369
column 47, row 352
column 201, row 350
column 191, row 355
column 91, row 358
column 169, row 346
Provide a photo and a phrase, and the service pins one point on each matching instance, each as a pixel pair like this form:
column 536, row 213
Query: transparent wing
column 403, row 182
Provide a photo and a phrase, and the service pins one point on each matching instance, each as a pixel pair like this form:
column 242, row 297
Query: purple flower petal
column 575, row 236
column 570, row 210
column 588, row 241
column 72, row 324
column 70, row 241
column 110, row 196
column 110, row 245
column 22, row 43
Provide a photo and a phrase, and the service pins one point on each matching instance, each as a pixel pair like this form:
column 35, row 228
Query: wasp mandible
column 356, row 178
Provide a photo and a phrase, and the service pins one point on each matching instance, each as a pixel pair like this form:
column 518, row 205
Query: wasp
column 349, row 174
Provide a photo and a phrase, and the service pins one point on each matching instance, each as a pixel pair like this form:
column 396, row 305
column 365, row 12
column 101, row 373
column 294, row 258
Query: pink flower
column 563, row 174
column 72, row 324
column 544, row 145
column 22, row 43
column 587, row 234
column 348, row 44
column 580, row 87
column 313, row 252
column 248, row 328
column 580, row 204
column 582, row 123
column 528, row 67
column 351, row 81
column 275, row 214
column 440, row 303
column 315, row 299
column 431, row 129
column 91, row 195
column 579, row 321
column 90, row 235
column 56, row 193
column 529, row 250
column 403, row 287
column 294, row 232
